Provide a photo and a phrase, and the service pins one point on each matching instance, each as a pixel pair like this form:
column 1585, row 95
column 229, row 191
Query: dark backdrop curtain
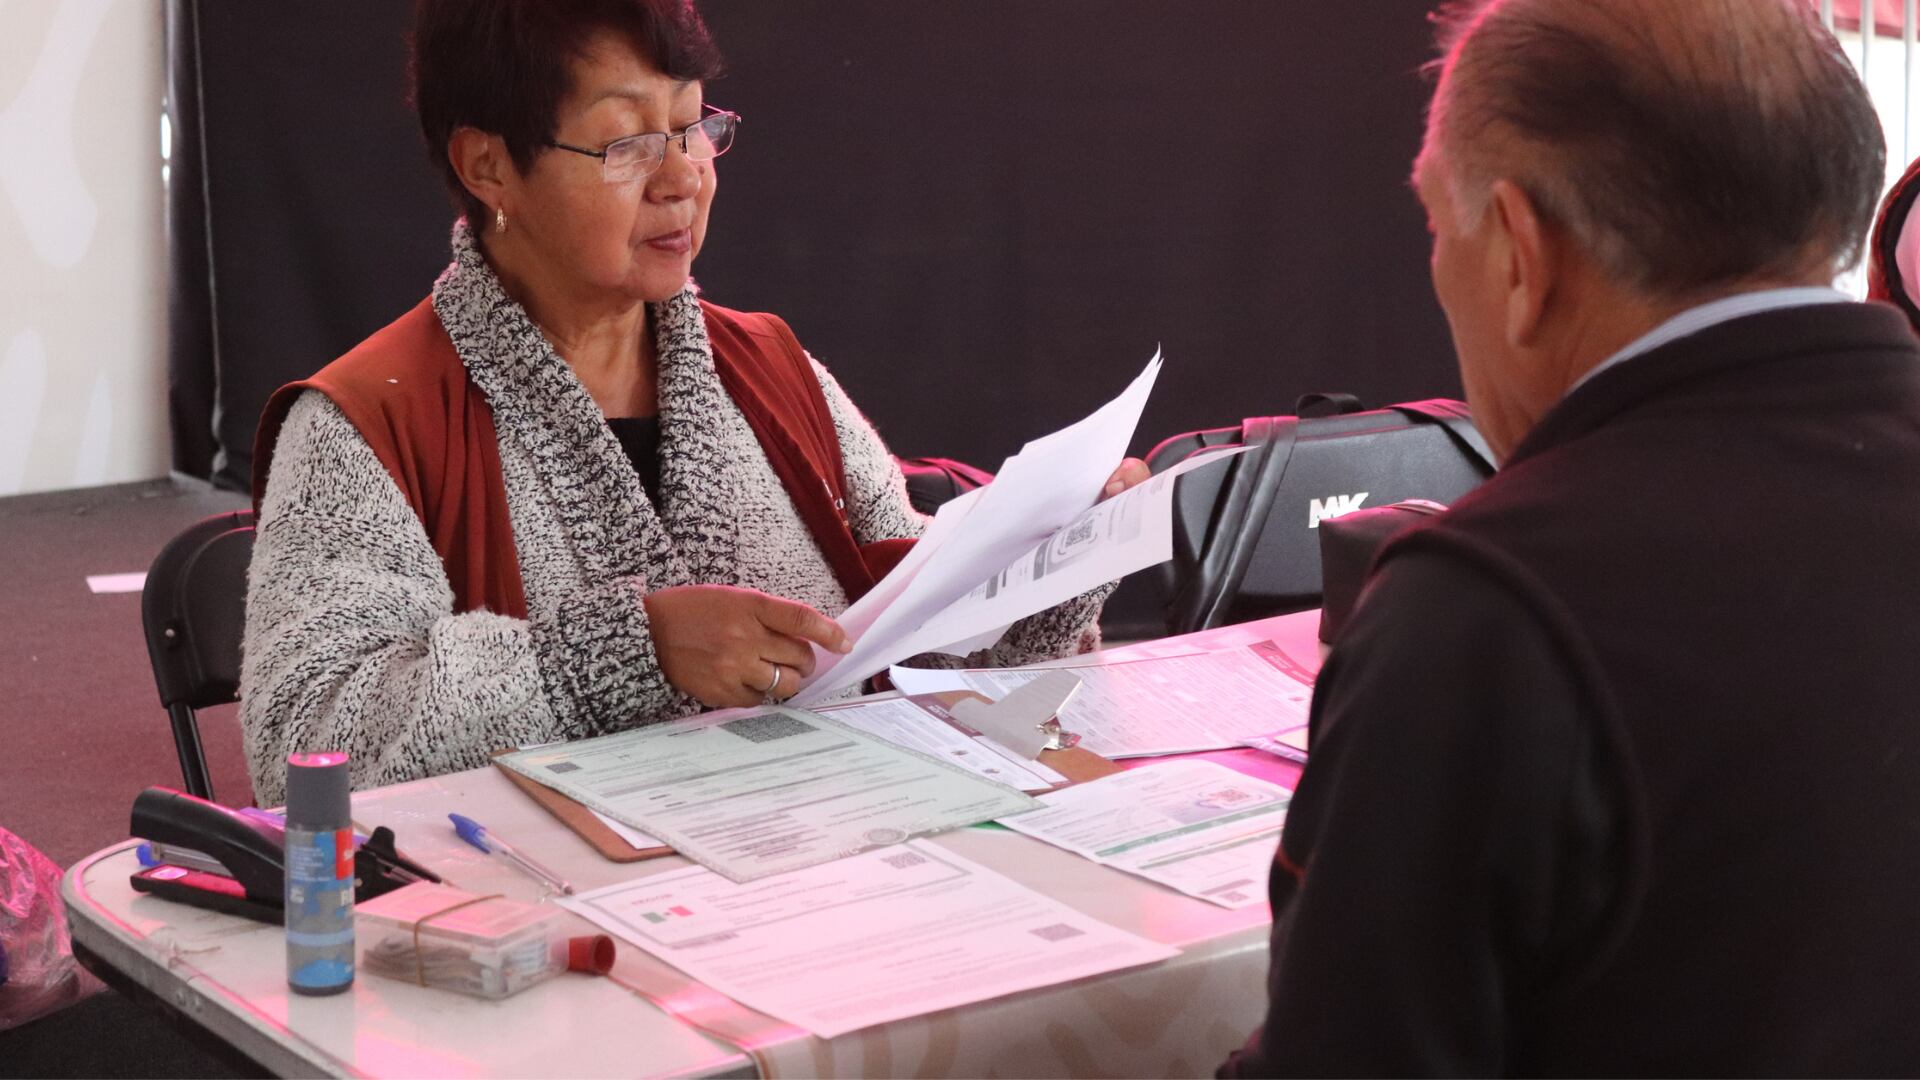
column 320, row 218
column 983, row 216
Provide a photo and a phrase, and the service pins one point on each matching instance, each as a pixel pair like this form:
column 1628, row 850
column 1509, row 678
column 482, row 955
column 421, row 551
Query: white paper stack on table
column 1030, row 540
column 1238, row 696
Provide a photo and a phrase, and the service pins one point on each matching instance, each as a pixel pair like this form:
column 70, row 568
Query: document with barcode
column 881, row 936
column 1192, row 825
column 750, row 793
column 1045, row 488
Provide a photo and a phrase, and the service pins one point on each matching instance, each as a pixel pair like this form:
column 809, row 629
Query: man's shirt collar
column 1695, row 319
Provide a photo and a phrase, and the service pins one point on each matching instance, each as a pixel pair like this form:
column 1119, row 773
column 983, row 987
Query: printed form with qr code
column 887, row 934
column 1196, row 826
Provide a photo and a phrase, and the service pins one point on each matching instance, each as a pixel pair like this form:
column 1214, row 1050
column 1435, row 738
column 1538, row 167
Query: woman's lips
column 678, row 242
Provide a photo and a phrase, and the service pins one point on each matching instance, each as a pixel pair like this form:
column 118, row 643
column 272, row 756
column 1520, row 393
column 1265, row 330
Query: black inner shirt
column 640, row 437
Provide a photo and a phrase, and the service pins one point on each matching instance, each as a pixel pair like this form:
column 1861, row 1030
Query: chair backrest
column 1246, row 534
column 194, row 611
column 932, row 481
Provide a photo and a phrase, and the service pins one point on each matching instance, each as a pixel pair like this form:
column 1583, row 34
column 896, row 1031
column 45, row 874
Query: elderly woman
column 564, row 495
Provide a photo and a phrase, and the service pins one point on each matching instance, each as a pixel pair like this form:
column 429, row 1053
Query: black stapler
column 236, row 862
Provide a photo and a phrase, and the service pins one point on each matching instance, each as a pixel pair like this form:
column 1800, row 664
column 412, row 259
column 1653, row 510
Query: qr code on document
column 1056, row 932
column 905, row 860
column 767, row 727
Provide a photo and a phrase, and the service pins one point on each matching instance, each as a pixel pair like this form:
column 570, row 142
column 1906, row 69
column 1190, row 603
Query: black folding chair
column 194, row 610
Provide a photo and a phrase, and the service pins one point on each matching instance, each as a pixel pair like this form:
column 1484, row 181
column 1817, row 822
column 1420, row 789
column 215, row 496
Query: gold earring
column 499, row 219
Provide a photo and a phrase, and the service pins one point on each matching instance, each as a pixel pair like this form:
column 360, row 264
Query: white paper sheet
column 899, row 720
column 1038, row 491
column 1192, row 825
column 1164, row 705
column 876, row 937
column 1290, row 743
column 133, row 581
column 768, row 792
column 627, row 832
column 968, row 646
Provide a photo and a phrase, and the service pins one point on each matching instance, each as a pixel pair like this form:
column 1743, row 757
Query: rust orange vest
column 409, row 396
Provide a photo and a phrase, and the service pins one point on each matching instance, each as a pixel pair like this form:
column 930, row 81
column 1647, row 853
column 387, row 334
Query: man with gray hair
column 1617, row 768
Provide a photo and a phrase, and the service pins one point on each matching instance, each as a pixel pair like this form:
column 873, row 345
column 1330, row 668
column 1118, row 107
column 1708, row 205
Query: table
column 227, row 975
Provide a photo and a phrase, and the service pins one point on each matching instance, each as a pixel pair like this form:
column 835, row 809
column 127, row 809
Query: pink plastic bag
column 38, row 973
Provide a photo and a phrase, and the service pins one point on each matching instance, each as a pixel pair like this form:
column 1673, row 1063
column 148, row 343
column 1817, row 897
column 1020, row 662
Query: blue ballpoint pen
column 476, row 834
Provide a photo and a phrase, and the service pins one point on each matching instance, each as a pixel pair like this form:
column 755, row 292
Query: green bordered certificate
column 773, row 790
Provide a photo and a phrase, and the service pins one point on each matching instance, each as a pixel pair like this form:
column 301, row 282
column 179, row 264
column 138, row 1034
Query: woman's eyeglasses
column 637, row 156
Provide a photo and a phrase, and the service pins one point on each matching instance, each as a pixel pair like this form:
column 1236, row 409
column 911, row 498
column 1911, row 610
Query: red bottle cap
column 591, row 953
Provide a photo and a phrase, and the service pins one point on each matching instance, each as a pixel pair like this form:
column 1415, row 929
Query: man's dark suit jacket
column 1617, row 770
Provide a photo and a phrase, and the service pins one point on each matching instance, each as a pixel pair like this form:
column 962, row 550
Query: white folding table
column 228, row 975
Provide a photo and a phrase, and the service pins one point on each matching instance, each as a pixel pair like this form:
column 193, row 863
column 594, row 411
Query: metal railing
column 1869, row 50
column 1886, row 66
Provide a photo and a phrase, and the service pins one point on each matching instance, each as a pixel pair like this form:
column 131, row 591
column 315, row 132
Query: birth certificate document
column 771, row 791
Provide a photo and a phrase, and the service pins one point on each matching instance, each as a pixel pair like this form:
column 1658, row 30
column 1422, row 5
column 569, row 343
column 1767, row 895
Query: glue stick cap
column 318, row 791
column 591, row 953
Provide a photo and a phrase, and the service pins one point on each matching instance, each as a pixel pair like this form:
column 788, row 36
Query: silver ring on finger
column 778, row 671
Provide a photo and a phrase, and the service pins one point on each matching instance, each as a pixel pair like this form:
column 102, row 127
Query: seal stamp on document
column 884, row 836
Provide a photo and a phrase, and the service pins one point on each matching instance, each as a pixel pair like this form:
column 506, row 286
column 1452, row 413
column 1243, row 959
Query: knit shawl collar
column 542, row 406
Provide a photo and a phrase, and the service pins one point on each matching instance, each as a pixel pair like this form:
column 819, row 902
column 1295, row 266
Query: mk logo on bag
column 1333, row 506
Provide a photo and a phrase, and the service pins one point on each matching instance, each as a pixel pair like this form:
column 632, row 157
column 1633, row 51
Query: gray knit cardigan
column 352, row 642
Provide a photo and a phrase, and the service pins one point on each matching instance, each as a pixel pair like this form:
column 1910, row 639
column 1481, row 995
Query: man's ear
column 483, row 165
column 1531, row 257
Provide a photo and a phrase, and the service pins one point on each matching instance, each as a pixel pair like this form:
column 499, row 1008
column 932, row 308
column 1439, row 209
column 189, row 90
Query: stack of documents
column 1163, row 705
column 1050, row 482
column 753, row 795
column 881, row 936
column 1030, row 540
column 1195, row 826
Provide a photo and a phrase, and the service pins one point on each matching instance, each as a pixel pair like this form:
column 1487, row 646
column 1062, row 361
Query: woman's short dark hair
column 504, row 66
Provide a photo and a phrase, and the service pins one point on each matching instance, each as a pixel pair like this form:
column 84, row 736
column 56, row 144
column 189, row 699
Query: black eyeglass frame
column 666, row 138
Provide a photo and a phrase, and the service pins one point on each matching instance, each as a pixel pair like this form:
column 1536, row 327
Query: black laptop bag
column 1246, row 535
